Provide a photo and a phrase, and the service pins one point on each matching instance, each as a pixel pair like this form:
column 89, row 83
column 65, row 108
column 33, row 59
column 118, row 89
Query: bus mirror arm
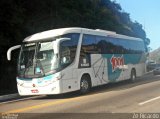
column 10, row 50
column 57, row 44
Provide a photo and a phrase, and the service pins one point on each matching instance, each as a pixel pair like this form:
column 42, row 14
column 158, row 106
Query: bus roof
column 57, row 32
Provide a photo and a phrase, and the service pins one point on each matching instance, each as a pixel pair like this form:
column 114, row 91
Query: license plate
column 35, row 91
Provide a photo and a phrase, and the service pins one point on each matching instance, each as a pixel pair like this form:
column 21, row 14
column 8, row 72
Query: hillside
column 21, row 18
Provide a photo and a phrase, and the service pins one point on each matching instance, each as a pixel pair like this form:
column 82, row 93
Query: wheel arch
column 89, row 77
column 133, row 75
column 134, row 69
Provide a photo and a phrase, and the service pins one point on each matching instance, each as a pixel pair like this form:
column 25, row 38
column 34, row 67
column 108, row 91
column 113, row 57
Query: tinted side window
column 102, row 44
column 88, row 47
column 74, row 38
column 140, row 47
column 68, row 49
column 109, row 45
column 115, row 45
column 88, row 44
column 106, row 45
column 129, row 46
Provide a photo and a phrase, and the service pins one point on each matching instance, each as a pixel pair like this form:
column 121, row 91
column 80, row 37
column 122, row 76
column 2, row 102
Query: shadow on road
column 123, row 85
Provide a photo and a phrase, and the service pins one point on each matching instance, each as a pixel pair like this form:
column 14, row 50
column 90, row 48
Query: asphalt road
column 140, row 99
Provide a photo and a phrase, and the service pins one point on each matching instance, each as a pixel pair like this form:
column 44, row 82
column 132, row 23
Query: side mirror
column 57, row 44
column 10, row 50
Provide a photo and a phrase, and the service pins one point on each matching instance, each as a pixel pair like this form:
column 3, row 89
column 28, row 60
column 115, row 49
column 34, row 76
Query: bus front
column 38, row 68
column 40, row 64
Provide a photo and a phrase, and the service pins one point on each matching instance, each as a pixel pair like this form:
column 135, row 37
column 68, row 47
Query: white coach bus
column 69, row 59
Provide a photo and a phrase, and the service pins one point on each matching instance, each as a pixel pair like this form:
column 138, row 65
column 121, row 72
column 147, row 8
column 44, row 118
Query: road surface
column 140, row 99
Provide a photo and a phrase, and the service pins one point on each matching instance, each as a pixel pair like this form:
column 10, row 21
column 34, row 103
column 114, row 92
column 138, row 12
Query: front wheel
column 85, row 85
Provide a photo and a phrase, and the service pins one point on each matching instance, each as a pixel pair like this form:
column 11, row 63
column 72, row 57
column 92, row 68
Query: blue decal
column 25, row 79
column 115, row 60
column 50, row 77
column 40, row 80
column 38, row 70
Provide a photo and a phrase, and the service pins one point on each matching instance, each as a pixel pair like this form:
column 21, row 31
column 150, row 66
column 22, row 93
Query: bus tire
column 133, row 75
column 85, row 84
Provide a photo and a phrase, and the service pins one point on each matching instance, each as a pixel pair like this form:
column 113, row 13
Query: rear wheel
column 85, row 84
column 133, row 75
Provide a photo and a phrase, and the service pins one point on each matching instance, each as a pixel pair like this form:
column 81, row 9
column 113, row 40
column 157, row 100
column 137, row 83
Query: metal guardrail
column 9, row 96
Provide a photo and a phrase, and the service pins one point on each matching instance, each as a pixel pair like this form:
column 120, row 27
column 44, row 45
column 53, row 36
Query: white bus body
column 69, row 59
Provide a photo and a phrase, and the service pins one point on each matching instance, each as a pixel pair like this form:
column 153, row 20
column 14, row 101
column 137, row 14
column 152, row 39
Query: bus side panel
column 99, row 69
column 113, row 61
column 140, row 69
column 130, row 60
column 69, row 81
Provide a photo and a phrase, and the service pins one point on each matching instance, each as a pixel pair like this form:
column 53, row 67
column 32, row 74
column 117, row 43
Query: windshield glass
column 26, row 59
column 46, row 59
column 39, row 59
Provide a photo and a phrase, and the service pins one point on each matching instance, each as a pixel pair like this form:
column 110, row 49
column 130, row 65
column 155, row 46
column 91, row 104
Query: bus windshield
column 44, row 58
column 37, row 59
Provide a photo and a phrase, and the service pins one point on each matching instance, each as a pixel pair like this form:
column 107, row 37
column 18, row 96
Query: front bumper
column 45, row 90
column 40, row 86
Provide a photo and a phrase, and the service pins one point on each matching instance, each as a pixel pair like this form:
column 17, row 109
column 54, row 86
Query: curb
column 10, row 96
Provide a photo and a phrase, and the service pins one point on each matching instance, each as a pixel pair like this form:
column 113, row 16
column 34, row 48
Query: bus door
column 67, row 47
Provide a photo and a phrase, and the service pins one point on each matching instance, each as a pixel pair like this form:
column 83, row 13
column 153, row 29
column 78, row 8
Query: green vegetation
column 20, row 18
